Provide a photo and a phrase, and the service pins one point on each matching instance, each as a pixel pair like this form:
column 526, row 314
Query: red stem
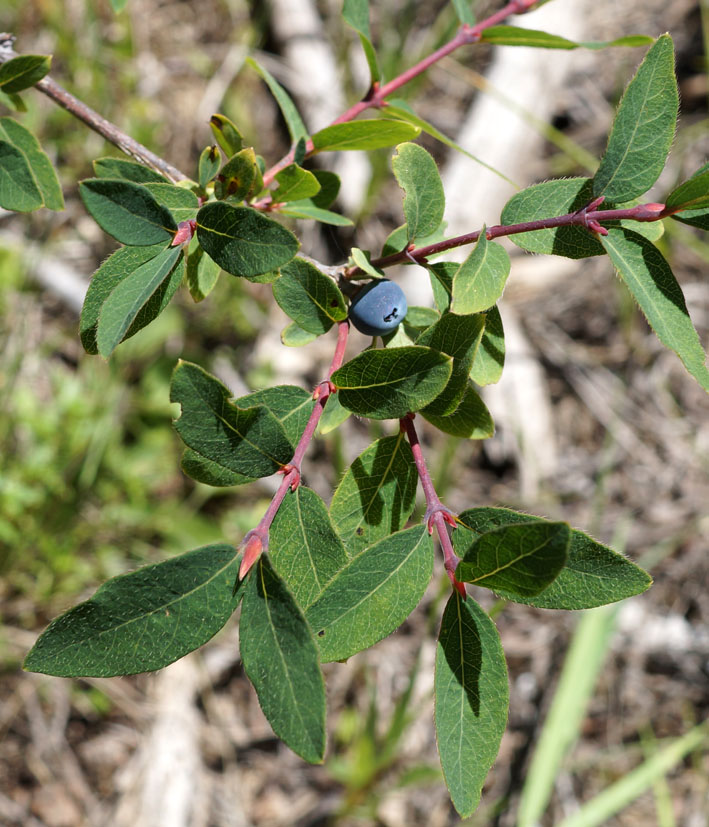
column 582, row 218
column 436, row 513
column 375, row 99
column 256, row 541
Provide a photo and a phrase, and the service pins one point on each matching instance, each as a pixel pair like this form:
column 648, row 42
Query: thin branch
column 376, row 97
column 437, row 515
column 256, row 541
column 589, row 218
column 93, row 120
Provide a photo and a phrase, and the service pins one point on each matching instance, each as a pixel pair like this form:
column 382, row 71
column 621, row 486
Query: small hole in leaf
column 321, row 633
column 333, row 303
column 360, row 531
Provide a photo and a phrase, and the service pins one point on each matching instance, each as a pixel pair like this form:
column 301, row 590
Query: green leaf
column 281, row 661
column 424, row 199
column 42, row 169
column 127, row 211
column 366, row 134
column 290, row 405
column 329, row 188
column 481, row 278
column 239, row 177
column 182, row 203
column 226, row 134
column 471, row 699
column 691, row 195
column 643, row 128
column 249, row 441
column 141, row 291
column 293, row 335
column 301, row 209
column 208, row 165
column 388, row 384
column 295, row 183
column 521, row 558
column 515, row 36
column 470, row 420
column 127, row 170
column 594, row 574
column 373, row 595
column 490, row 356
column 377, row 493
column 295, row 125
column 13, row 102
column 309, row 297
column 23, row 71
column 204, row 470
column 441, row 277
column 304, row 547
column 242, row 241
column 333, row 416
column 201, row 272
column 464, row 12
column 117, row 267
column 356, row 13
column 363, row 260
column 459, row 337
column 143, row 620
column 19, row 191
column 419, row 318
column 653, row 285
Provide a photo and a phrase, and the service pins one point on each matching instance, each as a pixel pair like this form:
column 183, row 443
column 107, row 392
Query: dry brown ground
column 632, row 438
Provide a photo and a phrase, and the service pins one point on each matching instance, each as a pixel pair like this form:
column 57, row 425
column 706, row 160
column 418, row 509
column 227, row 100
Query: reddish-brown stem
column 256, row 541
column 582, row 218
column 376, row 97
column 93, row 120
column 437, row 515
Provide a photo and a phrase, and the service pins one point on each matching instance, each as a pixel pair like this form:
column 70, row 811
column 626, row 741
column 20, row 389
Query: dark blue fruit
column 378, row 308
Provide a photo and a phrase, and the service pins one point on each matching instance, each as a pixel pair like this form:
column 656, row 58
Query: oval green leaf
column 377, row 493
column 366, row 134
column 23, row 71
column 373, row 594
column 141, row 292
column 19, row 190
column 143, row 620
column 593, row 575
column 249, row 441
column 521, row 559
column 242, row 241
column 281, row 661
column 424, row 199
column 309, row 297
column 388, row 384
column 479, row 281
column 471, row 698
column 127, row 211
column 643, row 128
column 304, row 547
column 649, row 278
column 44, row 174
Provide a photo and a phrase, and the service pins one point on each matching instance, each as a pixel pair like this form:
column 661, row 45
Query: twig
column 93, row 120
column 436, row 513
column 256, row 541
column 585, row 217
column 376, row 96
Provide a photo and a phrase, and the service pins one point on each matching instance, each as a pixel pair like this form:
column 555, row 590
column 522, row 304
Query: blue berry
column 378, row 308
